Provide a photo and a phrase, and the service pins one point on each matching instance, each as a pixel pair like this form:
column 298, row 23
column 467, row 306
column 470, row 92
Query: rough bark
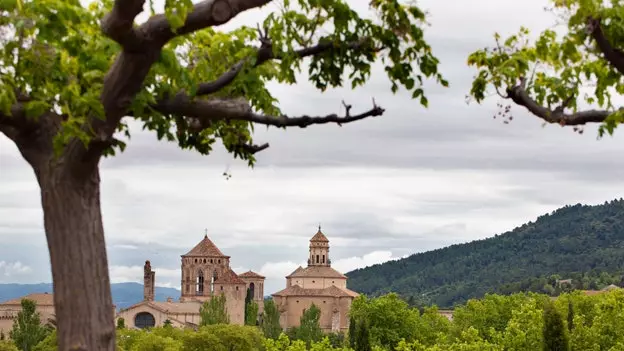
column 75, row 235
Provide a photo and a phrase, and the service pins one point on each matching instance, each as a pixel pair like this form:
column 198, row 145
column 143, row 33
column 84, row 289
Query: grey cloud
column 544, row 168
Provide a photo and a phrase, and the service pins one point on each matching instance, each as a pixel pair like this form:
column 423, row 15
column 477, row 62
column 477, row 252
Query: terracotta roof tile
column 297, row 270
column 316, row 272
column 190, row 307
column 332, row 291
column 205, row 248
column 229, row 277
column 177, row 307
column 319, row 236
column 41, row 299
column 250, row 274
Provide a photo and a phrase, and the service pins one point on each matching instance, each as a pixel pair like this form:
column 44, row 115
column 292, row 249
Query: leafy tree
column 167, row 323
column 233, row 337
column 270, row 320
column 27, row 328
column 336, row 339
column 7, row 346
column 547, row 76
column 390, row 319
column 48, row 344
column 251, row 313
column 555, row 333
column 74, row 74
column 309, row 329
column 214, row 311
column 121, row 323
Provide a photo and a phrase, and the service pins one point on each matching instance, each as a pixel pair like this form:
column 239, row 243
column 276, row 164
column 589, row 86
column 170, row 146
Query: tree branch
column 125, row 77
column 264, row 54
column 204, row 112
column 613, row 55
column 17, row 118
column 519, row 95
column 9, row 132
column 252, row 148
column 204, row 14
column 119, row 24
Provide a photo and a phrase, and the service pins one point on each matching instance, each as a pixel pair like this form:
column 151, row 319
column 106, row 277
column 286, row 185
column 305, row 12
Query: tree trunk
column 73, row 225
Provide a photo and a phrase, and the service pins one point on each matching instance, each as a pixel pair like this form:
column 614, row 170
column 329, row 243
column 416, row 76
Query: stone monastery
column 206, row 272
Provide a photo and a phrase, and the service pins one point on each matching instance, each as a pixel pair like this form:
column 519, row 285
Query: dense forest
column 518, row 322
column 586, row 242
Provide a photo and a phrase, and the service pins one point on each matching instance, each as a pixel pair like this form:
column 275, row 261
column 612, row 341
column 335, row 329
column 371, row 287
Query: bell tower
column 149, row 279
column 319, row 250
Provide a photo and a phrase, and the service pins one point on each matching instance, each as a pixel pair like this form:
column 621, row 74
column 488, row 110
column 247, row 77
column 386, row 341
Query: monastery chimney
column 149, row 278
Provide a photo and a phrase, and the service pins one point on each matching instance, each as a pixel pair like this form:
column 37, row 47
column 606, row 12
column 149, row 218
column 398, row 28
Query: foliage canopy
column 560, row 75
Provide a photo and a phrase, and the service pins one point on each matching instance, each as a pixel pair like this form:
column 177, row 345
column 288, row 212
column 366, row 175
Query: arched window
column 212, row 281
column 252, row 290
column 323, row 259
column 144, row 320
column 317, row 258
column 199, row 289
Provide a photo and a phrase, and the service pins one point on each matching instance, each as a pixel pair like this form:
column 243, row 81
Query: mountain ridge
column 124, row 294
column 571, row 239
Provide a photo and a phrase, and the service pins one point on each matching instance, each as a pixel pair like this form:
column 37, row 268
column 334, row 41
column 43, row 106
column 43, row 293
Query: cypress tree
column 248, row 300
column 363, row 336
column 352, row 333
column 554, row 332
column 570, row 316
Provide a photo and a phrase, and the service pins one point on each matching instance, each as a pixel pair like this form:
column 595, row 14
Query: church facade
column 205, row 273
column 317, row 284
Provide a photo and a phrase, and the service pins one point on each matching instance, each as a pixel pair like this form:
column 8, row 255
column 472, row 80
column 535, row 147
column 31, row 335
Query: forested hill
column 575, row 238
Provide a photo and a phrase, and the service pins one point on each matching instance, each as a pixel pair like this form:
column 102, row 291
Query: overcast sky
column 412, row 180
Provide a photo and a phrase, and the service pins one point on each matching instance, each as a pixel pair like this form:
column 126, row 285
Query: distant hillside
column 575, row 238
column 124, row 294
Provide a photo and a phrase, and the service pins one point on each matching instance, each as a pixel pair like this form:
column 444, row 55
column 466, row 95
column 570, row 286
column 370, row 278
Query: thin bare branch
column 613, row 55
column 205, row 111
column 519, row 95
column 252, row 148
